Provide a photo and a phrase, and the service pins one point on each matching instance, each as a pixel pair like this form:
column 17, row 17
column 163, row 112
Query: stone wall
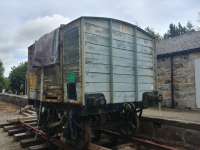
column 184, row 79
column 14, row 99
column 164, row 79
column 175, row 133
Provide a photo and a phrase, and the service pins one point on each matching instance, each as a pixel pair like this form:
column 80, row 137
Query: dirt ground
column 8, row 111
column 174, row 114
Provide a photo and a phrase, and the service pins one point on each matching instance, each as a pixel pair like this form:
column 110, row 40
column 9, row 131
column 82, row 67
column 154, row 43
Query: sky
column 24, row 21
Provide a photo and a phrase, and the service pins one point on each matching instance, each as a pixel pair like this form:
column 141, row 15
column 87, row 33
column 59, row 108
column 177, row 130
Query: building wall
column 164, row 79
column 183, row 76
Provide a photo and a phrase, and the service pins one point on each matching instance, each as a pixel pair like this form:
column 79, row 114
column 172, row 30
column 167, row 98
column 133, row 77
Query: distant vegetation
column 15, row 83
column 17, row 78
column 173, row 31
column 176, row 30
column 2, row 79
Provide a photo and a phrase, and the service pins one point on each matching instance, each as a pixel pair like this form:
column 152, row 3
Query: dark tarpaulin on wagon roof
column 46, row 50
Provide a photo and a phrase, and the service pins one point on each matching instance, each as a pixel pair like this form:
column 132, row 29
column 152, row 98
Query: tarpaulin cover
column 46, row 49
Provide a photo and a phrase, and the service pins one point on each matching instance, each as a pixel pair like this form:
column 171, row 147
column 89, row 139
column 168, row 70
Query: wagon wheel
column 130, row 119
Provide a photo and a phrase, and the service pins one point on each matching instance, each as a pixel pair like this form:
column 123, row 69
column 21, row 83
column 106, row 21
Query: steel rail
column 140, row 140
column 58, row 143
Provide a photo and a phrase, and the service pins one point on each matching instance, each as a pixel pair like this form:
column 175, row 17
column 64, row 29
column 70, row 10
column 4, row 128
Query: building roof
column 187, row 41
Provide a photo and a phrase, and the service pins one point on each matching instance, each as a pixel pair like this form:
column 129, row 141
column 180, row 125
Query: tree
column 17, row 78
column 6, row 84
column 190, row 26
column 176, row 30
column 153, row 33
column 172, row 31
column 2, row 81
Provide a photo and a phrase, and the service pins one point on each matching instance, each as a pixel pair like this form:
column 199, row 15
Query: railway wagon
column 91, row 74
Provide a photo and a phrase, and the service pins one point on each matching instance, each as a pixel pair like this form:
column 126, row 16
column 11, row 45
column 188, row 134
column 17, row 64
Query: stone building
column 178, row 69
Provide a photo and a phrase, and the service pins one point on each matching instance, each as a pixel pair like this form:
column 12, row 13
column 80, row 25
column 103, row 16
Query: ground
column 173, row 114
column 8, row 111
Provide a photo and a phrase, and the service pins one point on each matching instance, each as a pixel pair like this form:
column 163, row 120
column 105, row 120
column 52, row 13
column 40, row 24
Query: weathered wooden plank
column 95, row 29
column 123, row 27
column 95, row 87
column 120, row 97
column 101, row 23
column 144, row 50
column 95, row 39
column 94, row 58
column 117, row 78
column 117, row 52
column 30, row 142
column 100, row 68
column 103, row 31
column 145, row 87
column 123, row 61
column 145, row 79
column 6, row 124
column 15, row 131
column 27, row 114
column 23, row 119
column 10, row 127
column 39, row 147
column 98, row 49
column 30, row 111
column 24, row 135
column 122, row 36
column 123, row 45
column 144, row 42
column 145, row 57
column 142, row 35
column 104, row 60
column 145, row 72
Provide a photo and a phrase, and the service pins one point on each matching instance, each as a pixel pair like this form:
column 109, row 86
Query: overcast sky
column 24, row 21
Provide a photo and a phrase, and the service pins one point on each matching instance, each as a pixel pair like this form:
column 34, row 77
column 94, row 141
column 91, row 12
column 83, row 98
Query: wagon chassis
column 79, row 123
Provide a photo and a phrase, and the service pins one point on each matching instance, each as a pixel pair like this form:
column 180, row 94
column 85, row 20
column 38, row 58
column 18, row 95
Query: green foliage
column 1, row 69
column 176, row 30
column 2, row 81
column 153, row 33
column 6, row 84
column 190, row 26
column 17, row 78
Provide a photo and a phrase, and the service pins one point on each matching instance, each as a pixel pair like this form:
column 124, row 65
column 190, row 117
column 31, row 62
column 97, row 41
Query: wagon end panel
column 111, row 60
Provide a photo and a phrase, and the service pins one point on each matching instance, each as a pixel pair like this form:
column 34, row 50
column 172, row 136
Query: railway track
column 138, row 142
column 25, row 131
